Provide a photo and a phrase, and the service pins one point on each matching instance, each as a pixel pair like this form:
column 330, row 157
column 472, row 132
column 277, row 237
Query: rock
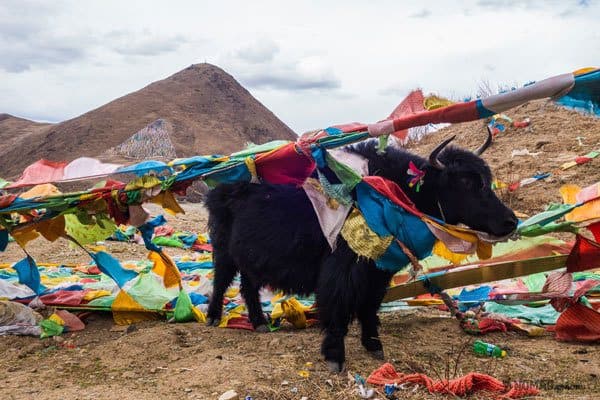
column 541, row 143
column 229, row 395
column 187, row 390
column 128, row 375
column 119, row 328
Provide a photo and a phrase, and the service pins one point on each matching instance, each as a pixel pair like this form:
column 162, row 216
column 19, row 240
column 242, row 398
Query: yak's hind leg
column 225, row 271
column 369, row 298
column 218, row 203
column 250, row 292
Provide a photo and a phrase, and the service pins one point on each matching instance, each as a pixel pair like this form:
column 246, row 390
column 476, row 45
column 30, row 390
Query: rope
column 414, row 262
column 471, row 325
column 468, row 384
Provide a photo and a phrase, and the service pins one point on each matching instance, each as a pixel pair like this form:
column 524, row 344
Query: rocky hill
column 15, row 131
column 204, row 109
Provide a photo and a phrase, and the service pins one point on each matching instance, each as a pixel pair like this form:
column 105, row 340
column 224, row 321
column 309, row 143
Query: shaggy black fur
column 271, row 236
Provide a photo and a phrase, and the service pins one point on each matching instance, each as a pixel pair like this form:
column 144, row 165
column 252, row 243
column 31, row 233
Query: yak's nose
column 510, row 224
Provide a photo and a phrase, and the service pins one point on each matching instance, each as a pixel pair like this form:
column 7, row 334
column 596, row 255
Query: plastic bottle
column 488, row 349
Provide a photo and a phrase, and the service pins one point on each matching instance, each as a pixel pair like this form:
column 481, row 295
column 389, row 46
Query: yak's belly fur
column 271, row 232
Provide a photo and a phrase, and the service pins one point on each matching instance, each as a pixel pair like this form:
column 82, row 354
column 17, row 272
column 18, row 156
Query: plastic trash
column 12, row 313
column 488, row 349
column 18, row 319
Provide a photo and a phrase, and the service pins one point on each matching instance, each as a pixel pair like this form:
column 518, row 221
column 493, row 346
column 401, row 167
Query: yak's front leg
column 335, row 301
column 250, row 292
column 369, row 299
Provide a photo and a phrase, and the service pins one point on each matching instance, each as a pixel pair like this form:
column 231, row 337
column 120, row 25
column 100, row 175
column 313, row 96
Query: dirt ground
column 190, row 361
column 160, row 360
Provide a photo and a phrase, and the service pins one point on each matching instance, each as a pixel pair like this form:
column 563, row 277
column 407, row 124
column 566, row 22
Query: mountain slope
column 208, row 110
column 15, row 130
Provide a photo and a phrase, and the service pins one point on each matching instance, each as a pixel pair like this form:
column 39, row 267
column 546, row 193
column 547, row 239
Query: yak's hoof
column 262, row 329
column 377, row 354
column 335, row 366
column 213, row 322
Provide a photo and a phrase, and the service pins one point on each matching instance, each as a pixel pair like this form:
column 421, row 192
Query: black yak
column 271, row 236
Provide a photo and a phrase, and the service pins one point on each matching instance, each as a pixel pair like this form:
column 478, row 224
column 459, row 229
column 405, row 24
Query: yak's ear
column 433, row 157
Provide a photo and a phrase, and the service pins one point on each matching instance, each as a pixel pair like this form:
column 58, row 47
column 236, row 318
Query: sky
column 313, row 63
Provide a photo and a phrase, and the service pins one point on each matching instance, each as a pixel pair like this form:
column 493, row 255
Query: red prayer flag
column 582, row 160
column 41, row 171
column 578, row 323
column 584, row 255
column 285, row 165
column 412, row 104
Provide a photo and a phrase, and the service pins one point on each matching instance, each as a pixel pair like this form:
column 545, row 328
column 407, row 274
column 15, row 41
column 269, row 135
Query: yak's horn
column 487, row 143
column 433, row 157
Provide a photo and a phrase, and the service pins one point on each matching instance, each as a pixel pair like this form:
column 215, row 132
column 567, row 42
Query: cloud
column 306, row 74
column 258, row 52
column 260, row 65
column 506, row 4
column 569, row 8
column 569, row 12
column 394, row 91
column 574, row 10
column 262, row 80
column 21, row 57
column 424, row 13
column 27, row 41
column 143, row 43
column 31, row 38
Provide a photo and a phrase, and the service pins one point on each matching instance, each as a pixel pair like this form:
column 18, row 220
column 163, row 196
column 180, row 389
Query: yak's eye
column 471, row 182
column 467, row 183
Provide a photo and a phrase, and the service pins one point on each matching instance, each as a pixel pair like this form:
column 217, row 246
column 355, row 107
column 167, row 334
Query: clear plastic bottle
column 488, row 349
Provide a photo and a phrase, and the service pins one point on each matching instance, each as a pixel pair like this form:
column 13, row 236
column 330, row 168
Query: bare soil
column 191, row 361
column 173, row 361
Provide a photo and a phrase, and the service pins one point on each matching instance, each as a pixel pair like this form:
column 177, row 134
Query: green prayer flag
column 183, row 308
column 50, row 328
